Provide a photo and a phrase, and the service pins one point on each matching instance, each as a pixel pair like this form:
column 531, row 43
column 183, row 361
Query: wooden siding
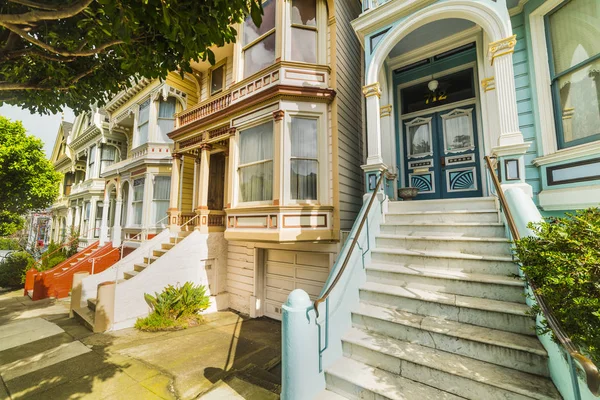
column 186, row 85
column 525, row 104
column 349, row 67
column 240, row 275
column 187, row 187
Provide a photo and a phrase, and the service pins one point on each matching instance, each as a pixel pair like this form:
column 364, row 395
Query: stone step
column 490, row 215
column 462, row 376
column 159, row 252
column 461, row 244
column 502, row 315
column 130, row 274
column 473, row 203
column 353, row 379
column 183, row 234
column 471, row 229
column 451, row 260
column 511, row 350
column 85, row 316
column 139, row 267
column 91, row 303
column 494, row 287
column 329, row 395
column 150, row 260
column 167, row 246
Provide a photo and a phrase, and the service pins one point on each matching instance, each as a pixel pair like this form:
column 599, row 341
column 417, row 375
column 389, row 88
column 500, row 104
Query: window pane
column 574, row 32
column 109, row 153
column 304, row 179
column 259, row 56
column 137, row 213
column 419, row 139
column 216, row 80
column 304, row 12
column 165, row 126
column 579, row 101
column 92, row 155
column 144, row 113
column 162, row 187
column 143, row 134
column 167, row 108
column 256, row 143
column 304, row 45
column 459, row 134
column 251, row 31
column 256, row 182
column 304, row 138
column 138, row 189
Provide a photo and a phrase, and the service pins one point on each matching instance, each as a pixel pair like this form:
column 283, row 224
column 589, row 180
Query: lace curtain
column 256, row 163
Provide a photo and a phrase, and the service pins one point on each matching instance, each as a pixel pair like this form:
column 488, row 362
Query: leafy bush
column 13, row 267
column 9, row 244
column 174, row 308
column 51, row 257
column 563, row 261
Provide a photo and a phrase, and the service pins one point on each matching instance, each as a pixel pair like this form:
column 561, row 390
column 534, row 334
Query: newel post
column 301, row 376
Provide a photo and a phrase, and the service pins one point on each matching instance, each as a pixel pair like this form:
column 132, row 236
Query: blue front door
column 441, row 153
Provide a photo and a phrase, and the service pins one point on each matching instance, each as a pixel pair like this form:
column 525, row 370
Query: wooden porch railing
column 203, row 109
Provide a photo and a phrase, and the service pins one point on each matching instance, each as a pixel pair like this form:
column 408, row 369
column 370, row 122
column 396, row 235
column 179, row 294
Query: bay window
column 142, row 124
column 166, row 118
column 304, row 164
column 161, row 197
column 137, row 203
column 258, row 43
column 256, row 163
column 304, row 30
column 574, row 54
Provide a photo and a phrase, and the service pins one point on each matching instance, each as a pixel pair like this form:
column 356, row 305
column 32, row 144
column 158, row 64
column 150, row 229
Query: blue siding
column 527, row 122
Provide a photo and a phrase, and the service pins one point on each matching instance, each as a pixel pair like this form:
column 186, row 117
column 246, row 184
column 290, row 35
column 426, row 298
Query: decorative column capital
column 278, row 115
column 231, row 131
column 502, row 47
column 372, row 90
column 488, row 84
column 176, row 156
column 205, row 147
column 385, row 111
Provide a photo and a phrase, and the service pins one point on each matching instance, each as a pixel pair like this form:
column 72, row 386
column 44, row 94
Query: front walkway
column 44, row 354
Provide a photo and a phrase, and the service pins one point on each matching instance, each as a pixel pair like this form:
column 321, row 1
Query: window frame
column 159, row 118
column 135, row 202
column 147, row 123
column 237, row 194
column 291, row 157
column 555, row 90
column 220, row 64
column 315, row 29
column 155, row 218
column 91, row 161
column 254, row 42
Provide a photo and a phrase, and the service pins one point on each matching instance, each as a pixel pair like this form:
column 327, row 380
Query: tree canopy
column 27, row 179
column 56, row 53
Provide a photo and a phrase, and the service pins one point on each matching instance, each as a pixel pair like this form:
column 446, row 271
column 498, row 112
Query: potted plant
column 408, row 193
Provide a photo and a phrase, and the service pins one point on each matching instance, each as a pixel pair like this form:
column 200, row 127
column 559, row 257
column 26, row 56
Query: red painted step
column 57, row 281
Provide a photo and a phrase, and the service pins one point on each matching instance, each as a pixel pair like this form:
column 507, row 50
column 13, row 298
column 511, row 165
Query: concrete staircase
column 441, row 315
column 87, row 316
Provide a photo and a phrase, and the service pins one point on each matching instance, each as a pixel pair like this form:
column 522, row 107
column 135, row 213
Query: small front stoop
column 441, row 315
column 87, row 315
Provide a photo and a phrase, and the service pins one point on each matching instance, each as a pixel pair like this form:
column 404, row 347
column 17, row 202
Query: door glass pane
column 260, row 55
column 419, row 139
column 574, row 32
column 459, row 133
column 580, row 102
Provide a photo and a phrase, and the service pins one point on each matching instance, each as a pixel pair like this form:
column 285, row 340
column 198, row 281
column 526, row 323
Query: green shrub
column 13, row 268
column 174, row 308
column 563, row 262
column 9, row 244
column 53, row 256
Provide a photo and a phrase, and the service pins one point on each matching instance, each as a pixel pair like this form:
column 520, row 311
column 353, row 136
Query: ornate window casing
column 460, row 120
column 419, row 133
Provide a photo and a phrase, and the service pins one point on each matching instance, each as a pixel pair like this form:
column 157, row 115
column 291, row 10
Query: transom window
column 304, row 30
column 304, row 163
column 256, row 163
column 217, row 80
column 259, row 42
column 143, row 118
column 574, row 54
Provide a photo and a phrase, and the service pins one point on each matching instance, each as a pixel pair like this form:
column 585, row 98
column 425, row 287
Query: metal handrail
column 352, row 245
column 590, row 369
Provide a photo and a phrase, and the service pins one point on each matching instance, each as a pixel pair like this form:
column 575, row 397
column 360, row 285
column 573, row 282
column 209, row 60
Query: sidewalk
column 44, row 354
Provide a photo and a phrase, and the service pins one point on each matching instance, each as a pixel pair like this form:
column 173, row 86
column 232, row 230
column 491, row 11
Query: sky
column 43, row 126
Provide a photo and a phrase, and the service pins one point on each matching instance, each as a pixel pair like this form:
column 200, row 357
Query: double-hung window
column 86, row 218
column 161, row 197
column 91, row 172
column 258, row 43
column 166, row 118
column 573, row 31
column 256, row 163
column 304, row 30
column 138, row 200
column 304, row 163
column 98, row 220
column 142, row 125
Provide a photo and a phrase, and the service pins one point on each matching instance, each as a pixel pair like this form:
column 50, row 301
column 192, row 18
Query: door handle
column 443, row 161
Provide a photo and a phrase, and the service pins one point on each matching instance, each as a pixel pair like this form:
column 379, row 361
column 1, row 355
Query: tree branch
column 64, row 53
column 34, row 52
column 5, row 86
column 33, row 4
column 35, row 16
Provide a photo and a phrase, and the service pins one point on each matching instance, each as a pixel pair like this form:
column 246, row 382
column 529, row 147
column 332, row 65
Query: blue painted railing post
column 300, row 378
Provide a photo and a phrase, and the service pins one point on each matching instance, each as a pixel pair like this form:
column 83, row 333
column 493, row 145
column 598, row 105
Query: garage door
column 289, row 270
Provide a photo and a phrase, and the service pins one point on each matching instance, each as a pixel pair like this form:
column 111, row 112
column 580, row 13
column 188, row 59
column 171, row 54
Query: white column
column 202, row 200
column 372, row 93
column 500, row 53
column 104, row 224
column 116, row 231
